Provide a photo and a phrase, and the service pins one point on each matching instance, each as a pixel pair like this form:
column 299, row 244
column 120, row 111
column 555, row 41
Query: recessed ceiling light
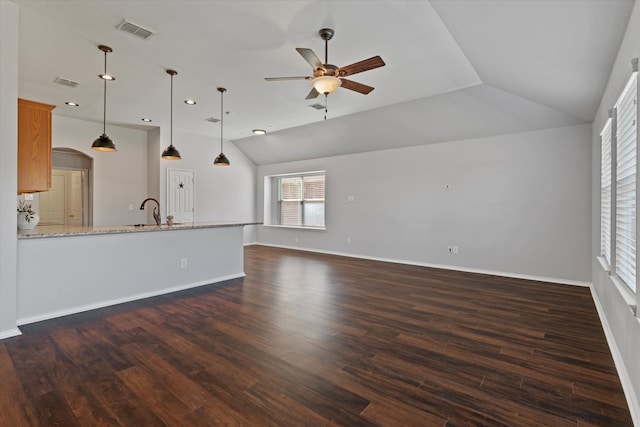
column 190, row 102
column 72, row 104
column 259, row 132
column 144, row 119
column 106, row 76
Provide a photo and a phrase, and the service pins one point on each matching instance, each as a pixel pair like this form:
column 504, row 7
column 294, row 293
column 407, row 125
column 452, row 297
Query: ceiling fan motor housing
column 326, row 33
column 326, row 70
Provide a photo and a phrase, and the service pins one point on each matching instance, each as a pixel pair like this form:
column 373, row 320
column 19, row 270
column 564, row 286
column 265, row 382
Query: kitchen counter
column 66, row 231
column 66, row 270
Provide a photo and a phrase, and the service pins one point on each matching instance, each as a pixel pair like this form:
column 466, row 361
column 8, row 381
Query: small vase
column 170, row 222
column 23, row 224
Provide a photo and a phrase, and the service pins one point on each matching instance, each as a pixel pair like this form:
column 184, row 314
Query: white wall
column 517, row 204
column 154, row 139
column 8, row 166
column 623, row 330
column 119, row 178
column 221, row 193
column 136, row 171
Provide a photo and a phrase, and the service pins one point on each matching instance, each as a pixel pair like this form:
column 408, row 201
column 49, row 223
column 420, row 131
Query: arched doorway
column 69, row 202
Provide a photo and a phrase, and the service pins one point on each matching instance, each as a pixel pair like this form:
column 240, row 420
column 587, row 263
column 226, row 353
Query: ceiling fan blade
column 278, row 79
column 358, row 67
column 356, row 87
column 310, row 57
column 313, row 94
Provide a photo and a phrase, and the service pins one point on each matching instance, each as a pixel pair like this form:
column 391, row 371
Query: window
column 605, row 193
column 626, row 173
column 300, row 199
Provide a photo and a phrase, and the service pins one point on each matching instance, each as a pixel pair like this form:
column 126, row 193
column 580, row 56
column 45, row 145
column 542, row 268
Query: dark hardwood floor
column 308, row 339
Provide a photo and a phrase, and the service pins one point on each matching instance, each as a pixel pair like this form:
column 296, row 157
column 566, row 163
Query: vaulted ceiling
column 455, row 69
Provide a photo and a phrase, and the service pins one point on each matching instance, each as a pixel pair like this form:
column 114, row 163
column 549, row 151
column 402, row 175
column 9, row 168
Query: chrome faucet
column 156, row 209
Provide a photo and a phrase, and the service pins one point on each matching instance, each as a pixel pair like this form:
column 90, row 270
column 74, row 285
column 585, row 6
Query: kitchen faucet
column 156, row 209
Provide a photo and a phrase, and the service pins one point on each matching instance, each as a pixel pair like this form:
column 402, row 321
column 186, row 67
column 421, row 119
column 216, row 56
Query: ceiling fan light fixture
column 326, row 84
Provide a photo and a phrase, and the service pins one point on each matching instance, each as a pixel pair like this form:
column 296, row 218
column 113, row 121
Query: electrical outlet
column 183, row 263
column 348, row 239
column 28, row 196
column 296, row 239
column 455, row 250
column 130, row 207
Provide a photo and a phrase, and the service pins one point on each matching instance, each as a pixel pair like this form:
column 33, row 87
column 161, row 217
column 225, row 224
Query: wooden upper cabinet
column 34, row 146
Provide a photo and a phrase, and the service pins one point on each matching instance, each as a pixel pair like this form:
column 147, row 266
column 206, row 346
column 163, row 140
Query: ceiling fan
column 327, row 77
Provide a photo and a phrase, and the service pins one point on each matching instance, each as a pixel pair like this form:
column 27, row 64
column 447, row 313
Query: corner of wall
column 8, row 167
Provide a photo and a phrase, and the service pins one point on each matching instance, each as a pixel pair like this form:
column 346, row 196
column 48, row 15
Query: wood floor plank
column 15, row 406
column 307, row 339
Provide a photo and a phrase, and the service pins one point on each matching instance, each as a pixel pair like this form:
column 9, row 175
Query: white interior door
column 180, row 189
column 52, row 202
column 74, row 203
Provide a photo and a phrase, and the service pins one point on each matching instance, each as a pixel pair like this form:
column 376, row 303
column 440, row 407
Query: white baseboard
column 441, row 266
column 10, row 333
column 625, row 380
column 101, row 304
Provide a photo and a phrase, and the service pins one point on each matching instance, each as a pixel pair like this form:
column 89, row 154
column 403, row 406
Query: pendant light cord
column 326, row 106
column 104, row 106
column 221, row 120
column 171, row 115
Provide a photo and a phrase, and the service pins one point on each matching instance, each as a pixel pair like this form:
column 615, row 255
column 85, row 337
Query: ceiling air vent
column 135, row 29
column 317, row 106
column 212, row 120
column 66, row 82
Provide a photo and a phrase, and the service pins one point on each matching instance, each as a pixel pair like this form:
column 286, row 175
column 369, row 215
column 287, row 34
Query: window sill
column 603, row 262
column 627, row 294
column 295, row 227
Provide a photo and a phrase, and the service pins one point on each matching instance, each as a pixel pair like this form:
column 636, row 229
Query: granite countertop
column 64, row 231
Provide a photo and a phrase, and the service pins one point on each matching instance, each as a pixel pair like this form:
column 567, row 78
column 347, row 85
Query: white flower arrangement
column 26, row 209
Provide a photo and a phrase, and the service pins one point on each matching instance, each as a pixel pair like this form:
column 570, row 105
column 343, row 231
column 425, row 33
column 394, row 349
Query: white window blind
column 626, row 175
column 605, row 193
column 301, row 200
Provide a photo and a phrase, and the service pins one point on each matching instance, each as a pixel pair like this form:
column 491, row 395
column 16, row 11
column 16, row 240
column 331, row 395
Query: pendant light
column 171, row 153
column 221, row 160
column 103, row 142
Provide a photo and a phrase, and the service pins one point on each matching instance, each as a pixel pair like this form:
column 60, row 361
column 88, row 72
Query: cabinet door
column 34, row 146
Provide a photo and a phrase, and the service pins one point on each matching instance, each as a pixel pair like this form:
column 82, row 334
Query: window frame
column 607, row 163
column 631, row 295
column 275, row 204
column 625, row 232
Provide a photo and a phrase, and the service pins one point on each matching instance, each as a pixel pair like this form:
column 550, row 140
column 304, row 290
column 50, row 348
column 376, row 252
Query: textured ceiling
column 455, row 69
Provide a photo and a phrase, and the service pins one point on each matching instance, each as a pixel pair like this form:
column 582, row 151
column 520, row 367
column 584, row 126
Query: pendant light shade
column 221, row 160
column 171, row 152
column 103, row 142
